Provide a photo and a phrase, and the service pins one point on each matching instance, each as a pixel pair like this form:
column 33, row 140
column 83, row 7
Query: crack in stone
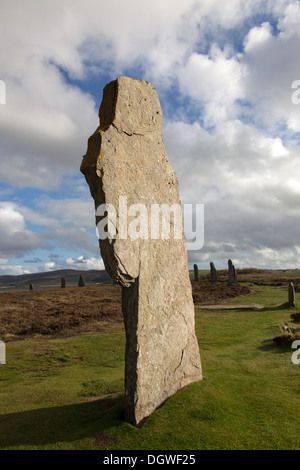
column 182, row 353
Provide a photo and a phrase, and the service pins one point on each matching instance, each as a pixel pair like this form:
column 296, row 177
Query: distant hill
column 52, row 279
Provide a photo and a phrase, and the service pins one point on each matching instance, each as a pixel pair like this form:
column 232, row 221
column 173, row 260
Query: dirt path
column 230, row 307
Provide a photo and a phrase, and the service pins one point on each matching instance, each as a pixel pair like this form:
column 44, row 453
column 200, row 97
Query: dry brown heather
column 59, row 311
column 208, row 293
column 97, row 308
column 264, row 276
column 74, row 310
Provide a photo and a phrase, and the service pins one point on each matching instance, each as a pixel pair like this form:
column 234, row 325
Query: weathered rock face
column 291, row 295
column 126, row 156
column 81, row 282
column 213, row 273
column 232, row 276
column 196, row 273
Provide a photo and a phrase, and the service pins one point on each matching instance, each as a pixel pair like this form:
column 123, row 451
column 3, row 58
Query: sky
column 226, row 74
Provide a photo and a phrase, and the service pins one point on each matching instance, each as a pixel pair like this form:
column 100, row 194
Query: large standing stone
column 126, row 157
column 213, row 273
column 232, row 276
column 291, row 295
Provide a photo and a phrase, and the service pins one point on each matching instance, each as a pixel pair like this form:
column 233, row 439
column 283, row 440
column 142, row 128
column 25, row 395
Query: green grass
column 201, row 272
column 67, row 393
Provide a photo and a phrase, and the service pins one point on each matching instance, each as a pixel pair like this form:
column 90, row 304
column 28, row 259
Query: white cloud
column 289, row 22
column 257, row 36
column 16, row 239
column 48, row 266
column 46, row 122
column 214, row 80
column 85, row 263
column 272, row 67
column 248, row 183
column 11, row 270
column 244, row 168
column 68, row 223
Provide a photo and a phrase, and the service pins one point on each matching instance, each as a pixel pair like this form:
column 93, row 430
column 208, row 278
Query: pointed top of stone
column 131, row 105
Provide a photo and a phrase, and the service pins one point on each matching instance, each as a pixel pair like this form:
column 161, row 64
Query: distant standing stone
column 232, row 276
column 213, row 273
column 292, row 295
column 62, row 283
column 196, row 273
column 31, row 286
column 81, row 282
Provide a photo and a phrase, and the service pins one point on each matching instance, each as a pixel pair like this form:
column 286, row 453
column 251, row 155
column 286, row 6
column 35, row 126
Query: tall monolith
column 127, row 169
column 213, row 272
column 81, row 282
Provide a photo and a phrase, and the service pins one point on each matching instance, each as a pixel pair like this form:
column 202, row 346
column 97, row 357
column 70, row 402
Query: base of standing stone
column 154, row 374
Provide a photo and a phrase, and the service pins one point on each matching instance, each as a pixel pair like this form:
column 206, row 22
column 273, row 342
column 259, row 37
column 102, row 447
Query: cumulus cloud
column 272, row 68
column 247, row 182
column 85, row 263
column 67, row 225
column 16, row 239
column 215, row 80
column 13, row 270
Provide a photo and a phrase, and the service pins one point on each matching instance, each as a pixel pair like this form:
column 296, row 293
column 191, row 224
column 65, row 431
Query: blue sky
column 223, row 72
